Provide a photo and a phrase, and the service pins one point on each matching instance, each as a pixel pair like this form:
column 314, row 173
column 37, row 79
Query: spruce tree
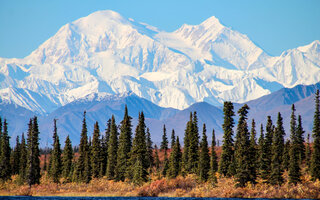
column 164, row 142
column 16, row 157
column 56, row 163
column 286, row 155
column 150, row 159
column 175, row 159
column 295, row 151
column 308, row 153
column 96, row 151
column 23, row 160
column 277, row 153
column 244, row 164
column 5, row 168
column 112, row 150
column 104, row 149
column 193, row 149
column 83, row 151
column 213, row 159
column 186, row 143
column 253, row 153
column 204, row 159
column 301, row 141
column 33, row 162
column 67, row 160
column 260, row 149
column 227, row 147
column 125, row 144
column 315, row 156
column 265, row 162
column 137, row 171
column 173, row 138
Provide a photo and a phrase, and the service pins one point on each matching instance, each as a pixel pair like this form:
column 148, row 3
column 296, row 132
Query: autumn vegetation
column 117, row 163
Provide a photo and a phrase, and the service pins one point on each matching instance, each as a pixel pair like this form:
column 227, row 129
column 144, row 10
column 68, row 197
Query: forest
column 124, row 162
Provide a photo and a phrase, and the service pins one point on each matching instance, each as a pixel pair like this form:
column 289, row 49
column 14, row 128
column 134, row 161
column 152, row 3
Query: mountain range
column 103, row 61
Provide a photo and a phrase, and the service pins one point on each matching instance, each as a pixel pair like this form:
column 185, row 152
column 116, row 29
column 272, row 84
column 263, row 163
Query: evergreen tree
column 67, row 160
column 83, row 151
column 244, row 165
column 164, row 142
column 295, row 156
column 186, row 142
column 308, row 153
column 104, row 149
column 175, row 160
column 173, row 138
column 5, row 168
column 137, row 171
column 277, row 153
column 265, row 163
column 301, row 141
column 227, row 147
column 260, row 149
column 286, row 155
column 56, row 163
column 112, row 150
column 33, row 162
column 150, row 159
column 204, row 159
column 125, row 144
column 213, row 160
column 253, row 153
column 193, row 149
column 16, row 157
column 315, row 157
column 23, row 159
column 96, row 151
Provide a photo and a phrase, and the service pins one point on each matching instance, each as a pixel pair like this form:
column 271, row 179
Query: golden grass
column 188, row 186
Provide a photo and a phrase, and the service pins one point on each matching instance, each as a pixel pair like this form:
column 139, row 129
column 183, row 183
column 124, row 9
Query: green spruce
column 204, row 159
column 112, row 150
column 67, row 158
column 315, row 157
column 175, row 160
column 5, row 168
column 56, row 163
column 96, row 152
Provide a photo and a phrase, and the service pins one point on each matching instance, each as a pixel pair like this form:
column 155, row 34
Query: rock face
column 107, row 53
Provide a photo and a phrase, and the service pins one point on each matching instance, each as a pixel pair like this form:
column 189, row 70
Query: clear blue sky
column 274, row 25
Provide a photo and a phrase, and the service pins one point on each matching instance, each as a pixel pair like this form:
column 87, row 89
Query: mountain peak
column 211, row 21
column 313, row 45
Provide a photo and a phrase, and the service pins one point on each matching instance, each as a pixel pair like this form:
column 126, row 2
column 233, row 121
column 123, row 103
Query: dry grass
column 179, row 187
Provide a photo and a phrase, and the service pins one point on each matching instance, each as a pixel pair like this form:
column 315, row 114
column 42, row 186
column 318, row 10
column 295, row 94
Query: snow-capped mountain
column 107, row 53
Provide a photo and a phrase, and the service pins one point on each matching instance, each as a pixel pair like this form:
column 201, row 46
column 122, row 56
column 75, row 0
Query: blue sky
column 274, row 25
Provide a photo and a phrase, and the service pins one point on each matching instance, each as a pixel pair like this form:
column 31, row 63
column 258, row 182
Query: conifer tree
column 112, row 150
column 33, row 162
column 150, row 159
column 137, row 171
column 5, row 168
column 213, row 160
column 253, row 153
column 315, row 156
column 175, row 159
column 83, row 151
column 173, row 138
column 193, row 149
column 277, row 153
column 16, row 157
column 308, row 153
column 23, row 159
column 96, row 151
column 227, row 147
column 186, row 143
column 286, row 155
column 67, row 160
column 301, row 141
column 104, row 149
column 260, row 149
column 265, row 163
column 244, row 165
column 295, row 156
column 125, row 144
column 164, row 142
column 56, row 163
column 204, row 159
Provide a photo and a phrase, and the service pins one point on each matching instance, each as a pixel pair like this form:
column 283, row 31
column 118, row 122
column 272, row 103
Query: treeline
column 120, row 156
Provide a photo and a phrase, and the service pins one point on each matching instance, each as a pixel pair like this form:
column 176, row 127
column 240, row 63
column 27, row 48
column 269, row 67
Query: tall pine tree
column 265, row 162
column 67, row 158
column 112, row 150
column 23, row 160
column 204, row 159
column 213, row 160
column 193, row 149
column 175, row 159
column 227, row 147
column 164, row 142
column 315, row 158
column 5, row 168
column 16, row 157
column 301, row 141
column 56, row 163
